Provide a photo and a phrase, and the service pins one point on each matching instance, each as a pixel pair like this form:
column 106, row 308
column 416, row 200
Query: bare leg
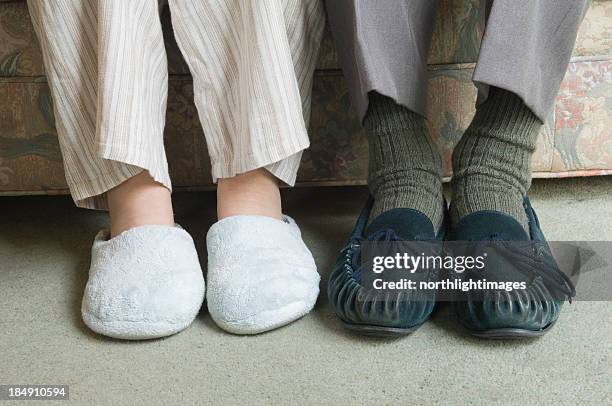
column 253, row 193
column 139, row 201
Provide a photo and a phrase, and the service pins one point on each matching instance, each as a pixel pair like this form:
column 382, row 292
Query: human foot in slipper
column 261, row 275
column 144, row 283
column 145, row 279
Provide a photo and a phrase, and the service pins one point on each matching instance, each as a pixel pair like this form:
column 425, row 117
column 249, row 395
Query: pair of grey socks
column 491, row 162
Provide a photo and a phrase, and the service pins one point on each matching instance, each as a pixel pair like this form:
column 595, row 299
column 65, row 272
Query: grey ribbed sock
column 492, row 162
column 405, row 166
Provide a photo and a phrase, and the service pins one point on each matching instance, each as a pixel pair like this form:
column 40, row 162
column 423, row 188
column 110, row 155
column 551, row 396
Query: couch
column 576, row 139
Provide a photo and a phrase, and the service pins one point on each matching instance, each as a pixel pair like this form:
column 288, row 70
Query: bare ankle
column 252, row 193
column 139, row 201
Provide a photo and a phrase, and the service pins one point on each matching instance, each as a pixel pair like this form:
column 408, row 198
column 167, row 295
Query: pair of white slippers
column 147, row 282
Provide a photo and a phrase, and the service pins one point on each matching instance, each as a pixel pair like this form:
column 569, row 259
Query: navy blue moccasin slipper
column 529, row 312
column 377, row 312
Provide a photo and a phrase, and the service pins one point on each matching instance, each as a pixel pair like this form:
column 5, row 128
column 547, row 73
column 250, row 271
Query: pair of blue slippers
column 529, row 312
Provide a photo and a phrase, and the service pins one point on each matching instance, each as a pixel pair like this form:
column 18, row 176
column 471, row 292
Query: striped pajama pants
column 252, row 64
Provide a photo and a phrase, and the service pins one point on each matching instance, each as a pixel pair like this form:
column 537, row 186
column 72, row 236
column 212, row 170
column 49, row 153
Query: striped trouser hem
column 252, row 65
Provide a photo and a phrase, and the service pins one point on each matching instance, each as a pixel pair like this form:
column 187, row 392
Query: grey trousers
column 383, row 45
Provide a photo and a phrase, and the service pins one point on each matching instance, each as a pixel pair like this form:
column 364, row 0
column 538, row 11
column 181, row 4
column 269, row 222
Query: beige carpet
column 44, row 255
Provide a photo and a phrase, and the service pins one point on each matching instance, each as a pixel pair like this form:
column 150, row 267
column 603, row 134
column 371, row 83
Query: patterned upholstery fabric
column 576, row 140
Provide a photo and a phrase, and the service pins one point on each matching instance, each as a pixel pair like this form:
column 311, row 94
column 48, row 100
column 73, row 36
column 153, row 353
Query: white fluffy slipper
column 144, row 283
column 261, row 275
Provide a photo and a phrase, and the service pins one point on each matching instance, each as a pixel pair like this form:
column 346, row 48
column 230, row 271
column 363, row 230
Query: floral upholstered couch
column 576, row 140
